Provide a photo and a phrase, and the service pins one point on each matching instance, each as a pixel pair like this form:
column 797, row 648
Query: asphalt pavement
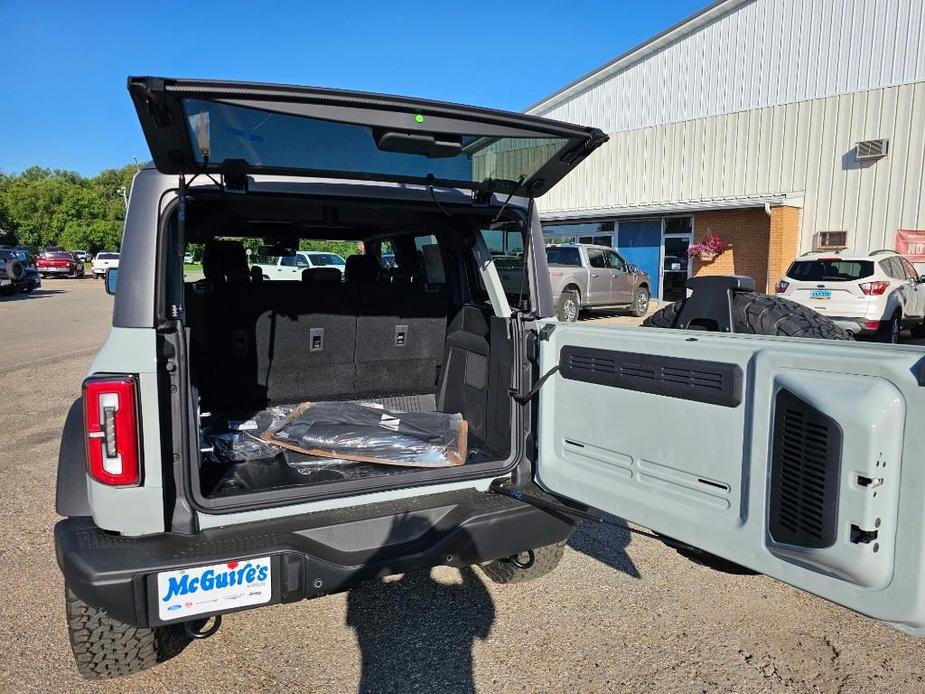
column 621, row 613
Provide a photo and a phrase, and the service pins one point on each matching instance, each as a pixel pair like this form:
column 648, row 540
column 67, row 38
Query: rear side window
column 830, row 270
column 910, row 269
column 596, row 257
column 563, row 255
column 893, row 268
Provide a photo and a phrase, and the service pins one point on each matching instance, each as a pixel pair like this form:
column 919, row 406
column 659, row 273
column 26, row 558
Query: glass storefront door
column 675, row 261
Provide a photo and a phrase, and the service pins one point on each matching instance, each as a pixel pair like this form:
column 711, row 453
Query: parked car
column 877, row 293
column 103, row 261
column 82, row 256
column 590, row 276
column 290, row 267
column 12, row 272
column 785, row 456
column 59, row 264
column 53, row 249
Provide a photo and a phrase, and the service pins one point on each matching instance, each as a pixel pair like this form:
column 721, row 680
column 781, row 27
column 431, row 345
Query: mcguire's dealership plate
column 214, row 588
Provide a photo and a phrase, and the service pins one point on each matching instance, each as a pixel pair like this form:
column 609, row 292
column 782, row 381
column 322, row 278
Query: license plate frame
column 181, row 594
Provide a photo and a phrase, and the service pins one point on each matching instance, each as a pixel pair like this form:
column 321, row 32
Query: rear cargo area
column 382, row 339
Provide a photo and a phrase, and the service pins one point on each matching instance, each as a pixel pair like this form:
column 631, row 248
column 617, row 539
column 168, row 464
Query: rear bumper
column 56, row 270
column 858, row 326
column 311, row 555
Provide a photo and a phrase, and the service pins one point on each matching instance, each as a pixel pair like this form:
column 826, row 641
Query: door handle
column 596, row 275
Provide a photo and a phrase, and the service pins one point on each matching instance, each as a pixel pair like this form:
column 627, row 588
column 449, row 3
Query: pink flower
column 711, row 244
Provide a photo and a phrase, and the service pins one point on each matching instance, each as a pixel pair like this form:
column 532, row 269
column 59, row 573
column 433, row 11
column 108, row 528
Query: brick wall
column 784, row 240
column 748, row 232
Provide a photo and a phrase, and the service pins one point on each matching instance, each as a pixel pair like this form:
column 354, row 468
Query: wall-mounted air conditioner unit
column 871, row 150
column 830, row 240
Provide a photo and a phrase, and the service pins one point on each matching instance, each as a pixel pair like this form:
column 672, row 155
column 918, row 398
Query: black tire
column 568, row 306
column 760, row 314
column 640, row 302
column 891, row 332
column 525, row 566
column 104, row 647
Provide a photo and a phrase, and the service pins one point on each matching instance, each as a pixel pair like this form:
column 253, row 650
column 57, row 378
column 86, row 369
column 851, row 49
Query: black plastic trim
column 712, row 382
column 313, row 554
column 806, row 454
column 71, row 497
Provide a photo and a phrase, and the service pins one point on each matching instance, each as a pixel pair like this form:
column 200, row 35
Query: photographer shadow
column 416, row 633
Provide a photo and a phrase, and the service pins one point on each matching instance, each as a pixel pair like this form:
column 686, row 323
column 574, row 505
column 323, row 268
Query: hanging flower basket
column 709, row 249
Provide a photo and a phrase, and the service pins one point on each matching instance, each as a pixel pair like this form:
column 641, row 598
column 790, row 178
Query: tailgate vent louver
column 805, row 471
column 716, row 383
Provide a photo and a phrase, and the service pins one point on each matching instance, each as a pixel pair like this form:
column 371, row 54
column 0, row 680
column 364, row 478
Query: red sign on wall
column 911, row 243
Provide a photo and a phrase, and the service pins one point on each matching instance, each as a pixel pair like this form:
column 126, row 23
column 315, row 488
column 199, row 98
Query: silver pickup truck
column 585, row 276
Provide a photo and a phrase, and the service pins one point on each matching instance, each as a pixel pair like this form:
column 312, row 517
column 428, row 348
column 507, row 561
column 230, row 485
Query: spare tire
column 760, row 314
column 14, row 269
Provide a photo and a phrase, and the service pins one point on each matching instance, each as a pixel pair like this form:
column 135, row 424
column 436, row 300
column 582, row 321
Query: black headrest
column 321, row 275
column 225, row 261
column 362, row 269
column 256, row 275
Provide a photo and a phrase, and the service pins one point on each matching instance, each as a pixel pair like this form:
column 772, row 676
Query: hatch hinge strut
column 547, row 502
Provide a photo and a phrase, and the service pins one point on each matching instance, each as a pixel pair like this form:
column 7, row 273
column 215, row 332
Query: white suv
column 876, row 293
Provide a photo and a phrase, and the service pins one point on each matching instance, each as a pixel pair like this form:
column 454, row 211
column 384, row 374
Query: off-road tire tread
column 760, row 314
column 104, row 647
column 545, row 560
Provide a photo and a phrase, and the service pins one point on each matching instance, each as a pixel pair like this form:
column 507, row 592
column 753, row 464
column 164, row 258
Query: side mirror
column 632, row 268
column 112, row 277
column 922, row 278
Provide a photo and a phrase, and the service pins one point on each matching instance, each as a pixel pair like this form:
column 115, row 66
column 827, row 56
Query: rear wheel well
column 571, row 287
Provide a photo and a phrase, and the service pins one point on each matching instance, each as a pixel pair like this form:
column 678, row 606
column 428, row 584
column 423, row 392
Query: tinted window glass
column 326, row 259
column 563, row 255
column 274, row 140
column 910, row 269
column 596, row 257
column 615, row 261
column 892, row 268
column 288, row 261
column 830, row 270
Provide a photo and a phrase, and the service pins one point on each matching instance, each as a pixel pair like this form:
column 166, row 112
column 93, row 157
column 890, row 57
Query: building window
column 600, row 233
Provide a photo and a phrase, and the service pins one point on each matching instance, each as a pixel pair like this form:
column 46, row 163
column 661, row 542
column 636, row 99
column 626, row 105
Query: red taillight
column 782, row 286
column 874, row 288
column 111, row 428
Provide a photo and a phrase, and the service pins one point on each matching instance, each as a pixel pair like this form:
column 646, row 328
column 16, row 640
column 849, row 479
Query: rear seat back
column 400, row 336
column 322, row 338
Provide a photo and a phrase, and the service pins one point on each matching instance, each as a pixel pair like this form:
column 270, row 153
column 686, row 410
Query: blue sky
column 63, row 102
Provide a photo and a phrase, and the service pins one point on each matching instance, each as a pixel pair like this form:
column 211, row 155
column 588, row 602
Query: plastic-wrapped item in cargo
column 350, row 431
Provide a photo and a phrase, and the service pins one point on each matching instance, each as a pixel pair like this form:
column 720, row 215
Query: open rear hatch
column 239, row 128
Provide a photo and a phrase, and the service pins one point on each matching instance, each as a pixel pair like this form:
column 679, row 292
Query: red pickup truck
column 59, row 263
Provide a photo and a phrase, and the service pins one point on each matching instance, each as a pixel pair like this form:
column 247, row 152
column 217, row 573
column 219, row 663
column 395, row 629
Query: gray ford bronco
column 796, row 458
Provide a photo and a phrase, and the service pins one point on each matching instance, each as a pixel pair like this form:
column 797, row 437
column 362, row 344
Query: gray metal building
column 779, row 125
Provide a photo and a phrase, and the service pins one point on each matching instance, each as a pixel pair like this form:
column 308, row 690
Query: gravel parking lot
column 621, row 613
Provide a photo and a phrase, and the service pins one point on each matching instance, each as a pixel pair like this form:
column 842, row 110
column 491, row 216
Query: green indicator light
column 419, row 118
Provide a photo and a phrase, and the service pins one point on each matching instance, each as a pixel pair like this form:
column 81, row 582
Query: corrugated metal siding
column 764, row 53
column 803, row 150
